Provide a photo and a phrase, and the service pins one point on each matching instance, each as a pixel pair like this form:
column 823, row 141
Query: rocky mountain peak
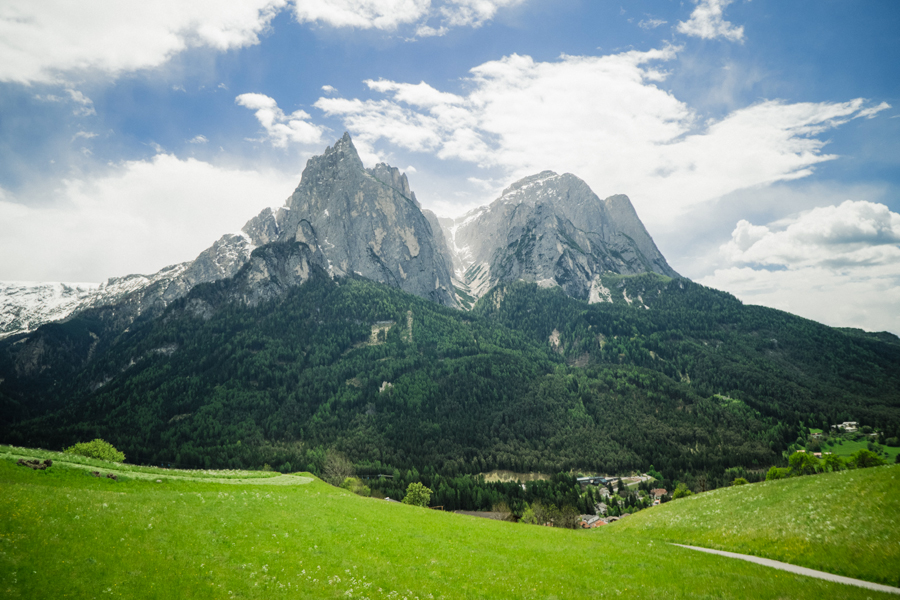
column 552, row 230
column 368, row 222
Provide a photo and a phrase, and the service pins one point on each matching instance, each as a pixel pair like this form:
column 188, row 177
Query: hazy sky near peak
column 758, row 140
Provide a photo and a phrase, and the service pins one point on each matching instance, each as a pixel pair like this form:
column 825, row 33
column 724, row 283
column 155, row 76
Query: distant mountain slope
column 681, row 377
column 775, row 362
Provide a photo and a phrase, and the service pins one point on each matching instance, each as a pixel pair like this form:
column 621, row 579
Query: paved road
column 799, row 570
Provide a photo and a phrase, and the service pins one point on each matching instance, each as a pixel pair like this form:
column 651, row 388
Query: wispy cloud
column 198, row 139
column 707, row 22
column 84, row 108
column 651, row 23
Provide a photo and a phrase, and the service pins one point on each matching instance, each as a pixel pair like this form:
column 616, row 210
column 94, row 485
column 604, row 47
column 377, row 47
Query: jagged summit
column 547, row 228
column 553, row 230
column 368, row 222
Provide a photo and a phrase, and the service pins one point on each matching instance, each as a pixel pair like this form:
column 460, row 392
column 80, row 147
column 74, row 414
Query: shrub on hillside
column 776, row 473
column 740, row 481
column 96, row 449
column 681, row 491
column 417, row 495
column 863, row 459
column 804, row 463
column 355, row 485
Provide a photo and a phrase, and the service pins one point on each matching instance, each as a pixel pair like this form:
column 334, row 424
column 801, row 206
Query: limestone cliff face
column 368, row 222
column 552, row 230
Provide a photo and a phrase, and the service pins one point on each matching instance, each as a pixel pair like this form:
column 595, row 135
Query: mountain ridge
column 370, row 223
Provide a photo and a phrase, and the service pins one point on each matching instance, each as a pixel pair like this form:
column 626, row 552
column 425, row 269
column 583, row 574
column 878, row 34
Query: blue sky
column 759, row 140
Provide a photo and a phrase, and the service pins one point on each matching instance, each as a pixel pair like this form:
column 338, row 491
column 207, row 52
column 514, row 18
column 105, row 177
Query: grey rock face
column 368, row 222
column 552, row 230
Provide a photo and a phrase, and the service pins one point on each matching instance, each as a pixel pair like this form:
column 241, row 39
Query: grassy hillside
column 66, row 534
column 846, row 523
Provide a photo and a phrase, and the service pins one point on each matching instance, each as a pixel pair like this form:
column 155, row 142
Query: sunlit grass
column 66, row 534
column 846, row 523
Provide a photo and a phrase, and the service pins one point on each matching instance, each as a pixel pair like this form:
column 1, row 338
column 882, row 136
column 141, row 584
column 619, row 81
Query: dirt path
column 799, row 570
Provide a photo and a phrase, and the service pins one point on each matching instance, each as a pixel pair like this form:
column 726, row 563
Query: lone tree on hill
column 417, row 495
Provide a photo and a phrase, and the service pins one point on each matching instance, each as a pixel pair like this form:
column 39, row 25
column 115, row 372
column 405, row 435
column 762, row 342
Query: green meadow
column 847, row 522
column 848, row 447
column 67, row 534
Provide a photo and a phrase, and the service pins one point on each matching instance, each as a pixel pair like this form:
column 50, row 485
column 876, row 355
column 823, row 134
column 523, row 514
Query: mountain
column 24, row 306
column 554, row 231
column 355, row 220
column 334, row 322
column 367, row 222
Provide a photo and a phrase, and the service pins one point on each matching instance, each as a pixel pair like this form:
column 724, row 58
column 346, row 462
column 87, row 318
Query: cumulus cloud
column 836, row 264
column 707, row 22
column 42, row 41
column 854, row 233
column 56, row 40
column 602, row 118
column 142, row 216
column 281, row 128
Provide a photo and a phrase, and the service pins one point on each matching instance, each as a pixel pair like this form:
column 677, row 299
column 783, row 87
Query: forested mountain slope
column 677, row 375
column 775, row 362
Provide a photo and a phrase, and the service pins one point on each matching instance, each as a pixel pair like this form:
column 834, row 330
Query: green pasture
column 846, row 522
column 848, row 447
column 66, row 534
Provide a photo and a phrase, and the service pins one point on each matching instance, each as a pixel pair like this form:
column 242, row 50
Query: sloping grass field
column 847, row 523
column 66, row 534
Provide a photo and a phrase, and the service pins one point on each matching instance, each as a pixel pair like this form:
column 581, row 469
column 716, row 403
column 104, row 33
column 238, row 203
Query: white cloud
column 651, row 23
column 854, row 233
column 836, row 264
column 473, row 13
column 198, row 139
column 281, row 128
column 389, row 15
column 84, row 134
column 43, row 41
column 84, row 108
column 707, row 22
column 86, row 105
column 329, row 89
column 603, row 119
column 141, row 217
column 362, row 14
